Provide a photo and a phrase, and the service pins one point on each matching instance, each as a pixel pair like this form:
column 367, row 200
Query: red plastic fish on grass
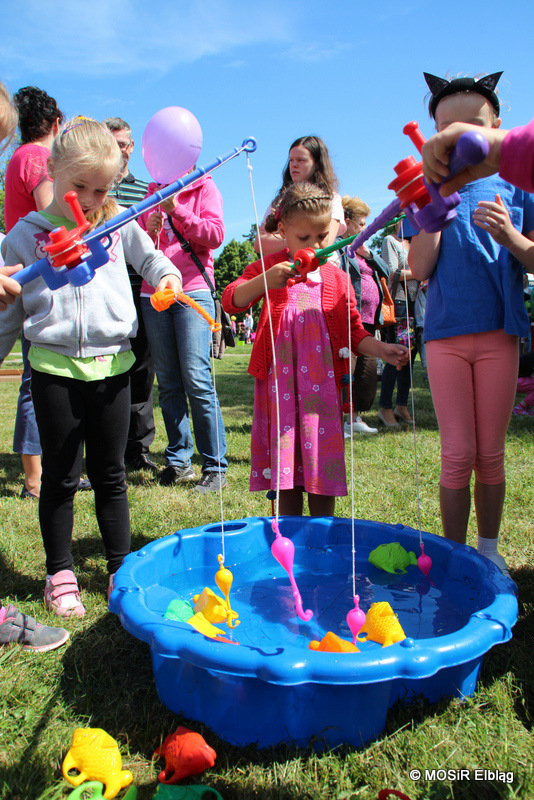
column 186, row 753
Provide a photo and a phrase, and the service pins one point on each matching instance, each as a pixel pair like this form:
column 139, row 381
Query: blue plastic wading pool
column 271, row 688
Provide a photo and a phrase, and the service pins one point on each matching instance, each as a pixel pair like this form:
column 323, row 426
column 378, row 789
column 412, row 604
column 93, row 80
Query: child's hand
column 154, row 223
column 278, row 276
column 9, row 289
column 169, row 204
column 493, row 217
column 396, row 354
column 172, row 282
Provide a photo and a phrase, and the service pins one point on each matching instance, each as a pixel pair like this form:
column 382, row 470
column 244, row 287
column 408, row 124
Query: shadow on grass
column 515, row 657
column 11, row 468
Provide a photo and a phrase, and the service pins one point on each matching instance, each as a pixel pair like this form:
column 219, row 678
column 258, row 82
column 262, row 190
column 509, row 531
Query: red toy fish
column 185, row 753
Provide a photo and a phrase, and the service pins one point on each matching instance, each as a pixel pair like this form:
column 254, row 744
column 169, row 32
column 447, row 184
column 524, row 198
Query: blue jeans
column 26, row 434
column 180, row 343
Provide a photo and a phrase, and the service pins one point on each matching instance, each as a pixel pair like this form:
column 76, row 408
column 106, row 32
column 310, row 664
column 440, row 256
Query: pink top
column 198, row 217
column 517, row 157
column 369, row 295
column 25, row 171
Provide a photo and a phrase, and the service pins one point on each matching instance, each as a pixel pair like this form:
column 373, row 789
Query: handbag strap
column 186, row 247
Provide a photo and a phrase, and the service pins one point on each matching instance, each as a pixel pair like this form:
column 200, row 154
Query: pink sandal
column 62, row 595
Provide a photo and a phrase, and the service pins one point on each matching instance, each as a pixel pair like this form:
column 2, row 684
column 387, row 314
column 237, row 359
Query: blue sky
column 350, row 73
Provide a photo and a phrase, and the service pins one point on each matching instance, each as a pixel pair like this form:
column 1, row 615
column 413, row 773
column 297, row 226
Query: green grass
column 103, row 676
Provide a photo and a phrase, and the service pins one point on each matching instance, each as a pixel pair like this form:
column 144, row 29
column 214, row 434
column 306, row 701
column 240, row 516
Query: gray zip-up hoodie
column 79, row 321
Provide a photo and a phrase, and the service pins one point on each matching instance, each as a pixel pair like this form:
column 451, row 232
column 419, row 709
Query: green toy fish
column 392, row 558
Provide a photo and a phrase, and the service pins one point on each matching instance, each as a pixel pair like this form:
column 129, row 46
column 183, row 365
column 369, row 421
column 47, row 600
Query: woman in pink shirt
column 180, row 340
column 29, row 188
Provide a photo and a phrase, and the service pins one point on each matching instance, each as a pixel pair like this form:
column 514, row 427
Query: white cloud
column 103, row 37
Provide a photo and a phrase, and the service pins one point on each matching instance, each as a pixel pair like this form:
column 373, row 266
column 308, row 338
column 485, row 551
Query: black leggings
column 70, row 412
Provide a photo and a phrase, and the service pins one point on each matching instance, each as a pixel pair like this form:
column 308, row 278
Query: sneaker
column 499, row 561
column 212, row 482
column 142, row 462
column 172, row 475
column 17, row 628
column 62, row 595
column 84, row 485
column 521, row 411
column 358, row 426
column 111, row 584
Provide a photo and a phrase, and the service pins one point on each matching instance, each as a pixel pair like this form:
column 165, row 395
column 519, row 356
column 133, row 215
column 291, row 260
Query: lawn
column 103, row 676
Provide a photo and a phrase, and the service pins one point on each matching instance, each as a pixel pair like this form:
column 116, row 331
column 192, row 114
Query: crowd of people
column 93, row 351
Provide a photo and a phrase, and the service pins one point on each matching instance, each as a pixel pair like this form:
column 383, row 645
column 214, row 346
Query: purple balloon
column 171, row 144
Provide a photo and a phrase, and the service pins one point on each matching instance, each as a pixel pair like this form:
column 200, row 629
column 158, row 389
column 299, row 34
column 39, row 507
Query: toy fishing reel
column 424, row 206
column 70, row 259
column 305, row 261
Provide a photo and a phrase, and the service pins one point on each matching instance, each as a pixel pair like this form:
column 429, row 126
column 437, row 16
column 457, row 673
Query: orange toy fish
column 330, row 643
column 185, row 753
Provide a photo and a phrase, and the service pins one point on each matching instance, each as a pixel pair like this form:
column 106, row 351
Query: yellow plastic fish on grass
column 392, row 558
column 382, row 625
column 95, row 754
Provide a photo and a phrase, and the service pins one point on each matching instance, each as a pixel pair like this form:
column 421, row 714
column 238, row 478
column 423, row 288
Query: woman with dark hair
column 29, row 188
column 309, row 161
column 27, row 185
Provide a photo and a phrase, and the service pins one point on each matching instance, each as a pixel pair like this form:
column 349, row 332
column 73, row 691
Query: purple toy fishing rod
column 422, row 203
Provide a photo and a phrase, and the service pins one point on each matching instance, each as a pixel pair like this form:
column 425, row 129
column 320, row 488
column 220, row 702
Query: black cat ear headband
column 440, row 88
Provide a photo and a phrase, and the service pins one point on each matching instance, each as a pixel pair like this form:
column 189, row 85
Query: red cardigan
column 334, row 304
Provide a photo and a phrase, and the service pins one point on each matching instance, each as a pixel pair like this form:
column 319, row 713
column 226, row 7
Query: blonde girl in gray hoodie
column 80, row 355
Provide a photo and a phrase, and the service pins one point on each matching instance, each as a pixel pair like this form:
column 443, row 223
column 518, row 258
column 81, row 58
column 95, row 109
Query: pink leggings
column 526, row 386
column 473, row 380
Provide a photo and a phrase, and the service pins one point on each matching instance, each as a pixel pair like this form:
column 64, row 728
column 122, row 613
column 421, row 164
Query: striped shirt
column 126, row 193
column 129, row 191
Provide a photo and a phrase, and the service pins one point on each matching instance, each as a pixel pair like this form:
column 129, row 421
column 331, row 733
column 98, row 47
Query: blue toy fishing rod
column 73, row 258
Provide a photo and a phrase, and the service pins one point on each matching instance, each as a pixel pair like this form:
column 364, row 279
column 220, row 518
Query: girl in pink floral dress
column 310, row 322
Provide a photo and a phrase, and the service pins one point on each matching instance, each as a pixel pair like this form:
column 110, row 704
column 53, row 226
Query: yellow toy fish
column 95, row 754
column 382, row 625
column 210, row 605
column 204, row 626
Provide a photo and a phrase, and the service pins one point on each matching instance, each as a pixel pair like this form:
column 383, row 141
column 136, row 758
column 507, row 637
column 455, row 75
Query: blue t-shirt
column 477, row 285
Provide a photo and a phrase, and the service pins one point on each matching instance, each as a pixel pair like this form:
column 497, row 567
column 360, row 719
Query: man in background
column 127, row 191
